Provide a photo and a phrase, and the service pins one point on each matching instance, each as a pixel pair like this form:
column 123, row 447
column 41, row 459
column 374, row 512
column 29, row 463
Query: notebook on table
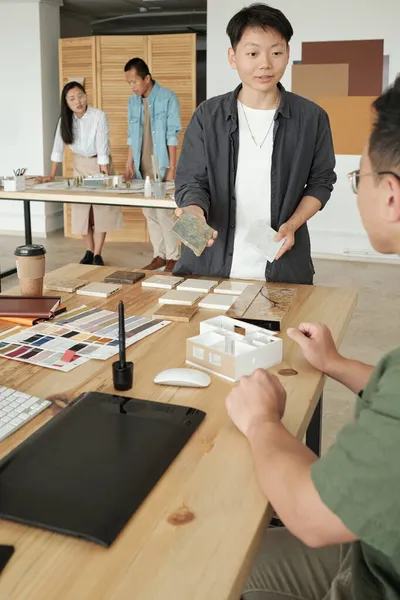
column 89, row 486
column 28, row 306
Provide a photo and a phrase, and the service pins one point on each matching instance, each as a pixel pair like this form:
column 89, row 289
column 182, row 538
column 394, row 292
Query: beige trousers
column 159, row 223
column 286, row 569
column 105, row 218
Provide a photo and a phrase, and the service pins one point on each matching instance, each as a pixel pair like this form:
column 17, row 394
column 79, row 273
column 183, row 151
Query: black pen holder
column 122, row 376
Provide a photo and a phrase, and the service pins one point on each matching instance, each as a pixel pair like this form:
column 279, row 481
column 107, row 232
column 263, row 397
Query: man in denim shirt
column 153, row 127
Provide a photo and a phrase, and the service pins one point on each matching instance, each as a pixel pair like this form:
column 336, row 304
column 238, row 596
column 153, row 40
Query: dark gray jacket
column 303, row 162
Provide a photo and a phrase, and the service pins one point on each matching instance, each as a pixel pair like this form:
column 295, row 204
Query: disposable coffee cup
column 31, row 267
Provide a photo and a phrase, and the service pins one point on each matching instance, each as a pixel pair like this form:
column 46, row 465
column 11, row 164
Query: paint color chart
column 86, row 333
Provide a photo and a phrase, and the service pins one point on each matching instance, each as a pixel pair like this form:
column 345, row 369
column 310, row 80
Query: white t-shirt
column 253, row 188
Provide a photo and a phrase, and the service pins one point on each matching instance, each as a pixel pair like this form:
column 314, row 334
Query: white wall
column 337, row 230
column 28, row 103
column 49, row 37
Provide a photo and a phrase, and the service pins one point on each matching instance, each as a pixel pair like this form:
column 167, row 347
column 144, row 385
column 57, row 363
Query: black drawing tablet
column 88, row 469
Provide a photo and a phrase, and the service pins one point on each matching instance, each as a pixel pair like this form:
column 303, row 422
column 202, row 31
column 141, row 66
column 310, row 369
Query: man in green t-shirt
column 342, row 512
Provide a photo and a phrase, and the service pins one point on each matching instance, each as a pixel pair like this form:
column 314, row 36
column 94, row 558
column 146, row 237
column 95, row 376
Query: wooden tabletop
column 88, row 197
column 158, row 556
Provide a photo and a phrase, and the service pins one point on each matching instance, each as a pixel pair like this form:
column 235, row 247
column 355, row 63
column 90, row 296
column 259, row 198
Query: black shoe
column 87, row 259
column 98, row 261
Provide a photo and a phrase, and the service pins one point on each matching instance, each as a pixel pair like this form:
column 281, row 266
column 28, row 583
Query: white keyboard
column 16, row 409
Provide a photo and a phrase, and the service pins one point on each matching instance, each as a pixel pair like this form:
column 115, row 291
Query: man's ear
column 232, row 58
column 393, row 204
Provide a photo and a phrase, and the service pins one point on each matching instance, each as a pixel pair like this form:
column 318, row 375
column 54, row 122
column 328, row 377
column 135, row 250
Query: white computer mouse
column 183, row 378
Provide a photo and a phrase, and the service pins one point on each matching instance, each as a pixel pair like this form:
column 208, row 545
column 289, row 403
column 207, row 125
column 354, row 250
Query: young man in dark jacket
column 256, row 154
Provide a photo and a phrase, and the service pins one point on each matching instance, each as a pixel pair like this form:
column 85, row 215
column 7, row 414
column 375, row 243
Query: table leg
column 28, row 236
column 27, row 222
column 313, row 434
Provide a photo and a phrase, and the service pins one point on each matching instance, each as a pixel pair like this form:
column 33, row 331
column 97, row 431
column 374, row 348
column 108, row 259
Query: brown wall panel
column 312, row 81
column 365, row 58
column 351, row 120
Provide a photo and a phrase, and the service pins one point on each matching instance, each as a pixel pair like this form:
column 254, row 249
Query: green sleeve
column 359, row 477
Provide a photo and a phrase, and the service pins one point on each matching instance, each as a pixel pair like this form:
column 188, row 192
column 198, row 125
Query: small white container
column 14, row 184
column 147, row 187
column 117, row 181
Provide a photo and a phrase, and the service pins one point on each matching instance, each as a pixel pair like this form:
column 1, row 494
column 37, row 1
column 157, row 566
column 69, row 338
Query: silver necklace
column 269, row 128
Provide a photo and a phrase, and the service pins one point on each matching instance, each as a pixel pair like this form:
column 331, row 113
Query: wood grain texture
column 182, row 314
column 172, row 62
column 157, row 557
column 244, row 301
column 77, row 57
column 85, row 197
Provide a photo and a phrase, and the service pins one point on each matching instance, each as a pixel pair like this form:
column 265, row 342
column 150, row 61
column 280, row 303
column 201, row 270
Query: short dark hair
column 384, row 142
column 258, row 15
column 140, row 67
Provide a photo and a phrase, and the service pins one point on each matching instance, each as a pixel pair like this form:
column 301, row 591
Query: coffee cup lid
column 30, row 250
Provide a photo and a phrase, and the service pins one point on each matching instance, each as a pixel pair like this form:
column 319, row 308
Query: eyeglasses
column 78, row 97
column 354, row 177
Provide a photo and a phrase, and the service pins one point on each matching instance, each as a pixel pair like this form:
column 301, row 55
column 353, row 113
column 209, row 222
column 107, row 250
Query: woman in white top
column 84, row 130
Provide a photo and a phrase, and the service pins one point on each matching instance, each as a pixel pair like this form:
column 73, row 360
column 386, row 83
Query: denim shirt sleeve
column 173, row 120
column 322, row 176
column 129, row 140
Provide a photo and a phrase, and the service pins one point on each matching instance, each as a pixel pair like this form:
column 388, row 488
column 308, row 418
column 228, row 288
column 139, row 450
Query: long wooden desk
column 88, row 197
column 74, row 197
column 195, row 535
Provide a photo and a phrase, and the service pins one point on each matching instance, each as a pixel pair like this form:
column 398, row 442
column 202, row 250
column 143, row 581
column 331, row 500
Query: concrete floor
column 373, row 331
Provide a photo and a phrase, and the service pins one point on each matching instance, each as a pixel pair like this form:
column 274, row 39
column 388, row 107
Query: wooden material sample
column 185, row 519
column 365, row 59
column 181, row 314
column 64, row 285
column 351, row 120
column 244, row 301
column 313, row 81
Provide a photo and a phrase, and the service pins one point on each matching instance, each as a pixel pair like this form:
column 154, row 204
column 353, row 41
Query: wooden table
column 207, row 558
column 87, row 196
column 73, row 197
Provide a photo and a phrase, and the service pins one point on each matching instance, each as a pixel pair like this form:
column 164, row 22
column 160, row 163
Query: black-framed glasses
column 354, row 177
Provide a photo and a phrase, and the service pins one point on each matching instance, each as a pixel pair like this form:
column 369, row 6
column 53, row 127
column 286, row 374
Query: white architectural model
column 230, row 348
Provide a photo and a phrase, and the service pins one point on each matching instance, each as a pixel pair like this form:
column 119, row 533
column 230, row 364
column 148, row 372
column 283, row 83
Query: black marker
column 122, row 370
column 121, row 337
